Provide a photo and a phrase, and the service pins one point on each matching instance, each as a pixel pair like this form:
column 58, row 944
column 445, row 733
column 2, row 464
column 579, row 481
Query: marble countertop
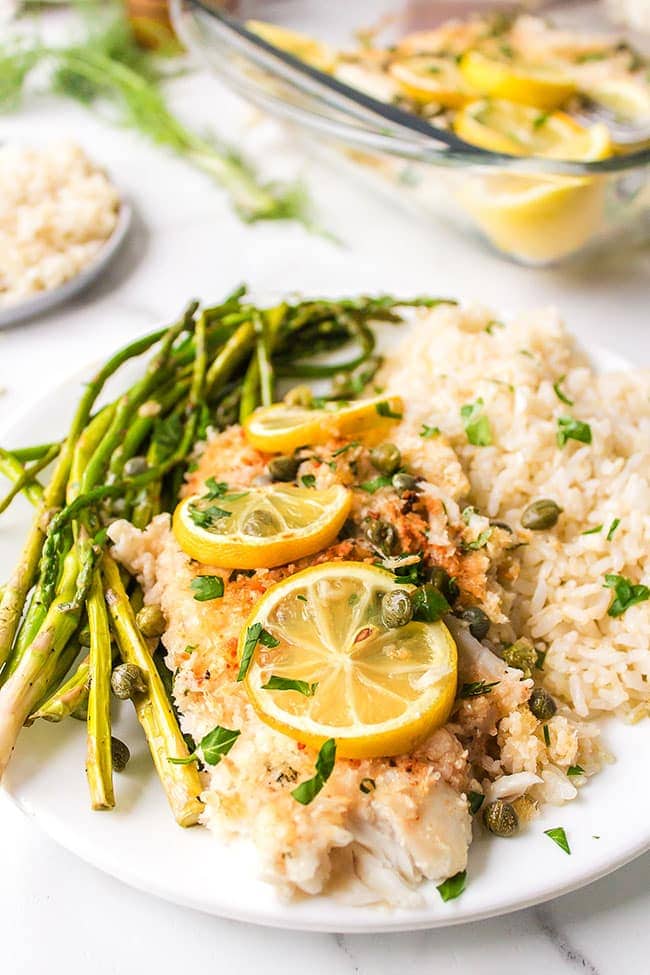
column 187, row 242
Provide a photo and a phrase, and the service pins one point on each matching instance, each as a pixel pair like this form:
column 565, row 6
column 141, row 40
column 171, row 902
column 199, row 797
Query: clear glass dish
column 533, row 210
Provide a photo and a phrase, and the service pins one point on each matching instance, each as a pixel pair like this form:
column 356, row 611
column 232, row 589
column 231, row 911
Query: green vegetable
column 570, row 429
column 521, row 655
column 500, row 818
column 593, row 531
column 541, row 515
column 151, row 621
column 367, row 785
column 211, row 748
column 547, row 735
column 612, row 528
column 429, row 604
column 575, row 770
column 475, row 800
column 216, row 489
column 120, row 755
column 479, row 542
column 386, row 457
column 447, row 585
column 478, row 621
column 476, row 424
column 376, row 484
column 476, row 688
column 207, row 587
column 453, row 887
column 307, row 791
column 380, row 534
column 308, row 480
column 541, row 704
column 626, row 593
column 284, row 468
column 383, row 408
column 558, row 835
column 275, row 683
column 127, row 682
column 396, row 608
column 254, row 635
column 558, row 392
column 404, row 482
column 428, row 433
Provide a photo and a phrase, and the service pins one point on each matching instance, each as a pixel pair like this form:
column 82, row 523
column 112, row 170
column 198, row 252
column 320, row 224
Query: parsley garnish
column 575, row 770
column 477, row 688
column 541, row 657
column 547, row 736
column 428, row 433
column 212, row 748
column 348, row 446
column 429, row 604
column 593, row 531
column 626, row 593
column 540, row 120
column 254, row 635
column 301, row 596
column 367, row 785
column 207, row 587
column 476, row 424
column 475, row 800
column 561, row 395
column 307, row 791
column 383, row 408
column 453, row 886
column 495, row 323
column 558, row 835
column 377, row 482
column 207, row 517
column 216, row 489
column 275, row 683
column 479, row 542
column 570, row 429
column 612, row 528
column 308, row 480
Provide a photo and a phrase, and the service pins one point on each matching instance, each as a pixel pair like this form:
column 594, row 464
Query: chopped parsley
column 541, row 657
column 593, row 531
column 216, row 489
column 575, row 770
column 476, row 424
column 207, row 587
column 254, row 635
column 453, row 887
column 428, row 433
column 477, row 688
column 383, row 408
column 301, row 596
column 612, row 528
column 275, row 683
column 429, row 604
column 547, row 736
column 558, row 835
column 207, row 517
column 479, row 542
column 495, row 323
column 307, row 791
column 570, row 429
column 626, row 593
column 212, row 748
column 376, row 484
column 367, row 785
column 308, row 480
column 346, row 447
column 475, row 800
column 559, row 393
column 541, row 120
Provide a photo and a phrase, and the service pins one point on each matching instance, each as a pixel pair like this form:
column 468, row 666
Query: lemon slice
column 282, row 427
column 378, row 691
column 518, row 130
column 627, row 98
column 527, row 85
column 309, row 50
column 260, row 527
column 432, row 79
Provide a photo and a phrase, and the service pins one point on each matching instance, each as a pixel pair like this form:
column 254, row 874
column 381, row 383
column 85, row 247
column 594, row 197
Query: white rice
column 594, row 662
column 56, row 210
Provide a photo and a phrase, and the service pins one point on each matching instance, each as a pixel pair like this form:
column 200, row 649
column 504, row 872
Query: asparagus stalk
column 13, row 469
column 99, row 766
column 182, row 783
column 27, row 477
column 68, row 697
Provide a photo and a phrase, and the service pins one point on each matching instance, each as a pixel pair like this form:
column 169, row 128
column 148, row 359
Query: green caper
column 396, row 608
column 284, row 468
column 127, row 682
column 151, row 621
column 479, row 622
column 403, row 482
column 522, row 655
column 445, row 583
column 381, row 534
column 540, row 515
column 299, row 396
column 541, row 704
column 500, row 818
column 386, row 457
column 259, row 522
column 120, row 754
column 135, row 466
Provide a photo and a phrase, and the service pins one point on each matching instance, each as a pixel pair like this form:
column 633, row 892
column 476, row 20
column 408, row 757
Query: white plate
column 45, row 300
column 139, row 843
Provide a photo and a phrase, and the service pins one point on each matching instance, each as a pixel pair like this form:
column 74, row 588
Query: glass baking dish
column 536, row 211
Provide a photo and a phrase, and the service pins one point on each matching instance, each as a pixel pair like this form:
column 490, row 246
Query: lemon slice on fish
column 282, row 428
column 259, row 527
column 326, row 666
column 432, row 79
column 533, row 85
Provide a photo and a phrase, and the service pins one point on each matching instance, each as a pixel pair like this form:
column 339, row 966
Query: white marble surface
column 186, row 242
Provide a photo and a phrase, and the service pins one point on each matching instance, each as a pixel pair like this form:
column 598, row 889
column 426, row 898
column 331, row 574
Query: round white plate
column 46, row 300
column 138, row 842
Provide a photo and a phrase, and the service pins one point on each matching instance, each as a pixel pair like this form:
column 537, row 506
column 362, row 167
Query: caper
column 120, row 754
column 396, row 608
column 500, row 818
column 522, row 655
column 259, row 522
column 381, row 534
column 299, row 396
column 526, row 809
column 284, row 468
column 135, row 466
column 403, row 482
column 479, row 622
column 445, row 583
column 127, row 681
column 151, row 621
column 540, row 515
column 386, row 457
column 541, row 704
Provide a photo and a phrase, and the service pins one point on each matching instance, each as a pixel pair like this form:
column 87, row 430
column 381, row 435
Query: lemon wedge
column 309, row 50
column 282, row 428
column 432, row 79
column 260, row 527
column 527, row 85
column 329, row 668
column 518, row 130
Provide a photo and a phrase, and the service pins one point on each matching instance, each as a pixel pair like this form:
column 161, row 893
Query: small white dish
column 46, row 300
